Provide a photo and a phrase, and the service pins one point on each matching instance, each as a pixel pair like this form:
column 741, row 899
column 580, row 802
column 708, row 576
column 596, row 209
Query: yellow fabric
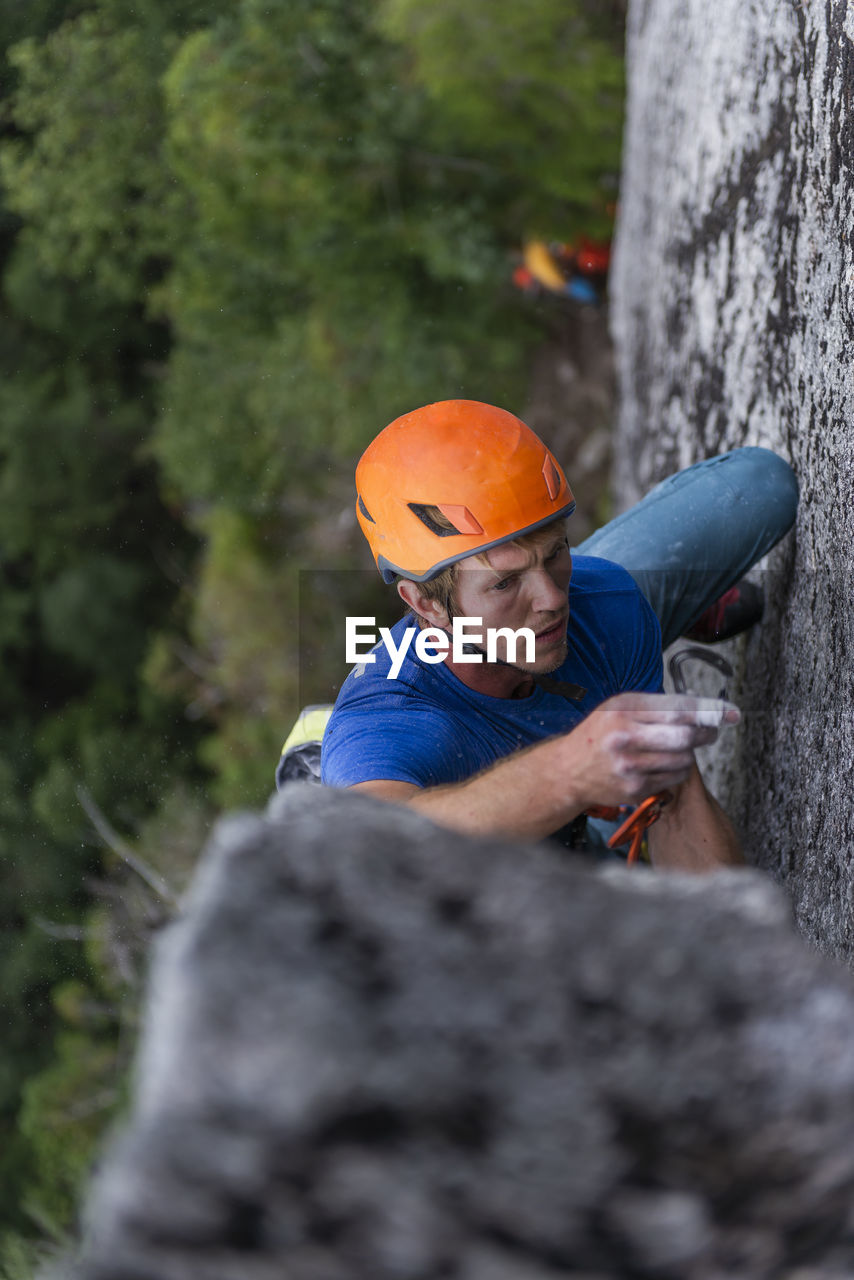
column 543, row 267
column 310, row 726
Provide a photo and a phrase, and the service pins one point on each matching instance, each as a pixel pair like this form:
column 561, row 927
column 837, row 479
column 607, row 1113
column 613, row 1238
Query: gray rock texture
column 375, row 1049
column 733, row 318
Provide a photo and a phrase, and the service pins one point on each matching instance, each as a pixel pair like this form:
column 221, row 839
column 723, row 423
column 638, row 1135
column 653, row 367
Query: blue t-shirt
column 427, row 727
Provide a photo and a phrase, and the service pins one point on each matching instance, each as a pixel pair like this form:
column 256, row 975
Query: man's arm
column 693, row 832
column 526, row 796
column 632, row 746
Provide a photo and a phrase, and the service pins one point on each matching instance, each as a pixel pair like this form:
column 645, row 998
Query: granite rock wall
column 733, row 318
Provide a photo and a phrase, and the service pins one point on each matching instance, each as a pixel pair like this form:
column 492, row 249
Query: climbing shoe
column 735, row 611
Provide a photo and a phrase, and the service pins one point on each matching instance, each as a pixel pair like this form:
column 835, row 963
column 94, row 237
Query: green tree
column 534, row 89
column 337, row 274
column 89, row 553
column 235, row 238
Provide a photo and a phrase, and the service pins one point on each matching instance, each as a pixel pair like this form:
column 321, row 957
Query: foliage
column 62, row 1115
column 86, row 553
column 322, row 292
column 243, row 635
column 19, row 1257
column 235, row 238
column 533, row 90
column 91, row 99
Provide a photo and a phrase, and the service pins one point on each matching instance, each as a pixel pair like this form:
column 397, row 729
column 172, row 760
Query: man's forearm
column 524, row 797
column 694, row 833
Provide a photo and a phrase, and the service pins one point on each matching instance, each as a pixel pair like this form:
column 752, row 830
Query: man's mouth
column 557, row 631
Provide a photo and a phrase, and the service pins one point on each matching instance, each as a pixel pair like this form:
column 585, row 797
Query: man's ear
column 432, row 611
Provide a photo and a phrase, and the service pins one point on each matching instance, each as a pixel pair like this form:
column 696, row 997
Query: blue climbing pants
column 695, row 534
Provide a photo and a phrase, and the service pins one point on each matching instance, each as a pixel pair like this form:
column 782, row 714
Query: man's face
column 521, row 586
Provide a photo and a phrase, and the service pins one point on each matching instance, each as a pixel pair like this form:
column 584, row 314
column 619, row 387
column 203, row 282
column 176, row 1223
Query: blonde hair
column 443, row 586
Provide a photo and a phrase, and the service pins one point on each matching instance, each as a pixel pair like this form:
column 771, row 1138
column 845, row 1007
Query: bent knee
column 766, row 482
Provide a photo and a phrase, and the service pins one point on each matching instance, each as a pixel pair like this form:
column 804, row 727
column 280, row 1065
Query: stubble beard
column 551, row 663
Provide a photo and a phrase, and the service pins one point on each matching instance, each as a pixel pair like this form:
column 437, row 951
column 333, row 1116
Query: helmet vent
column 454, row 520
column 551, row 475
column 364, row 510
column 461, row 517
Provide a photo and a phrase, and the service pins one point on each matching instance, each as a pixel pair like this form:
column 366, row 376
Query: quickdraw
column 633, row 829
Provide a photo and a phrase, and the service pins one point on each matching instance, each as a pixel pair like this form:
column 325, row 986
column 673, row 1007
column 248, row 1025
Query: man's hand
column 637, row 744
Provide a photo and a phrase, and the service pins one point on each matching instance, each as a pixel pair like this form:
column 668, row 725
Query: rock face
column 733, row 317
column 377, row 1049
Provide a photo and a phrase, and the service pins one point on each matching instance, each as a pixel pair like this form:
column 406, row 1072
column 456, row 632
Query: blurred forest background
column 236, row 239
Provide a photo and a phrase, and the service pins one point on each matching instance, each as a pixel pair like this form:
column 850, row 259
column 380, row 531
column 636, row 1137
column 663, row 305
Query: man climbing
column 466, row 509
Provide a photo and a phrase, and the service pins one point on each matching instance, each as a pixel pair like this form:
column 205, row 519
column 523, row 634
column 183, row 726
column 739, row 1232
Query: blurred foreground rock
column 378, row 1050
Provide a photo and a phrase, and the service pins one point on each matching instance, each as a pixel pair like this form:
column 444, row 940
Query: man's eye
column 558, row 551
column 502, row 585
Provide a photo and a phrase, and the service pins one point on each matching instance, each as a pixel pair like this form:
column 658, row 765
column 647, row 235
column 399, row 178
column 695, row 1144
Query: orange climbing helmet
column 488, row 474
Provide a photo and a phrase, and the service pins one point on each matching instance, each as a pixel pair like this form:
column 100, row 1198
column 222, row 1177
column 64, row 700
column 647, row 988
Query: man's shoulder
column 404, row 726
column 613, row 624
column 605, row 594
column 379, row 676
column 591, row 575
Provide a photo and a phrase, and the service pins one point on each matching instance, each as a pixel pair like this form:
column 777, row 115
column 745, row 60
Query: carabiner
column 693, row 654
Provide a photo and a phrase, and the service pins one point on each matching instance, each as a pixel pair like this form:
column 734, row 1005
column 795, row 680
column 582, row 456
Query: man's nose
column 548, row 595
